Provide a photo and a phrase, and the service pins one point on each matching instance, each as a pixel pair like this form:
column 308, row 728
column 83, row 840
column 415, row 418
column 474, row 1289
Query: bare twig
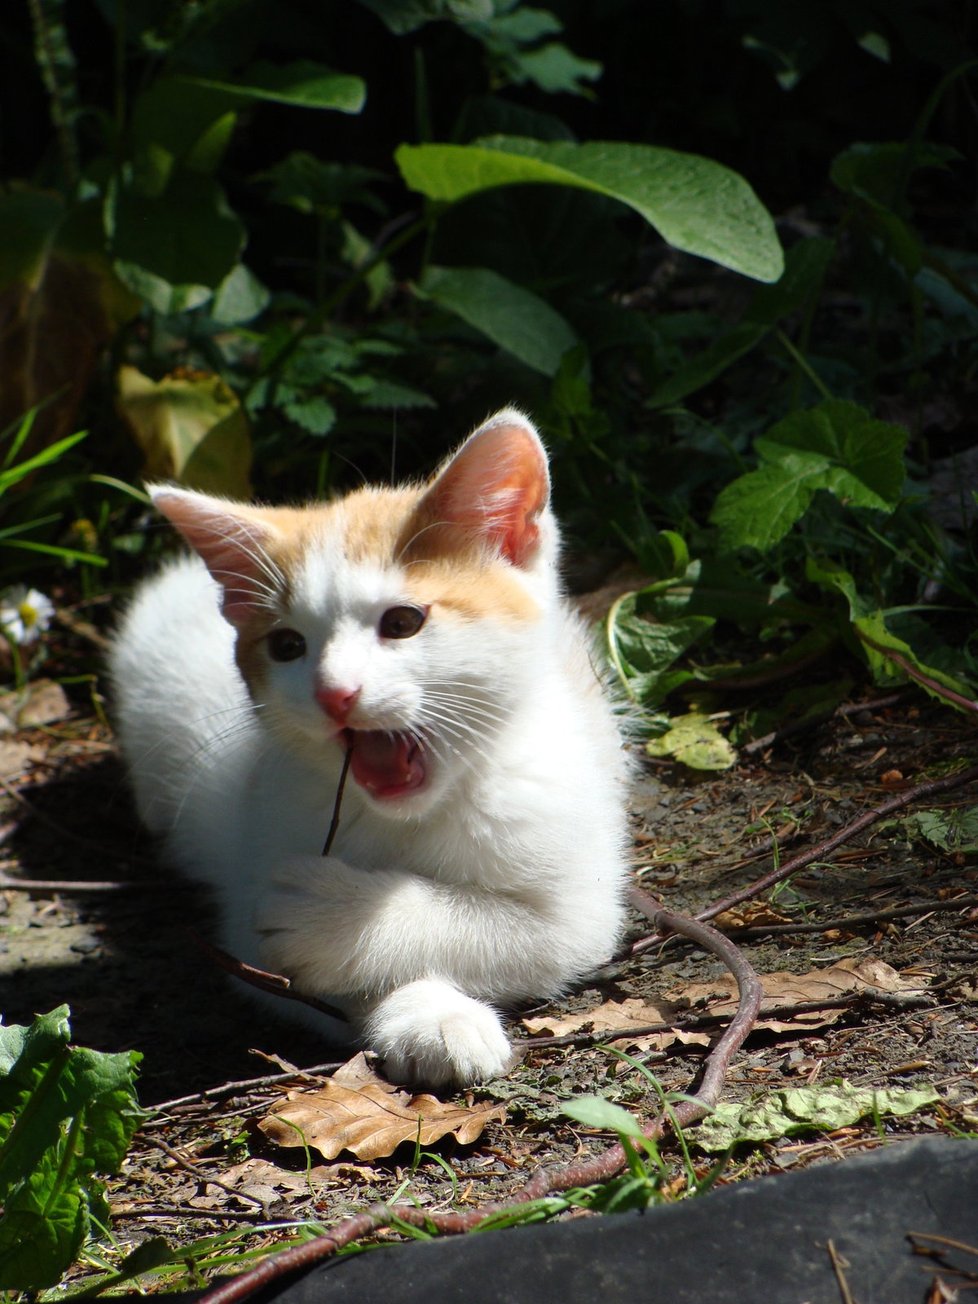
column 335, row 821
column 275, row 983
column 243, row 1085
column 190, row 1167
column 838, row 1267
column 548, row 1179
column 813, row 721
column 822, row 849
column 945, row 906
column 83, row 885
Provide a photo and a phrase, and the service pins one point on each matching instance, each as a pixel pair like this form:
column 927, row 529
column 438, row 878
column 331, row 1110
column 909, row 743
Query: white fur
column 503, row 879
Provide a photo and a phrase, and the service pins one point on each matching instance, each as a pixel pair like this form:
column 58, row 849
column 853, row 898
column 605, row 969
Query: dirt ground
column 117, row 950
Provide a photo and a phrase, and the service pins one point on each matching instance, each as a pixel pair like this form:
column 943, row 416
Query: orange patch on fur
column 471, row 590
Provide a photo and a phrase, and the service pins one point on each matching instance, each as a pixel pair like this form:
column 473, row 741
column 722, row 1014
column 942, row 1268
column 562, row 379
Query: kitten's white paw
column 430, row 1033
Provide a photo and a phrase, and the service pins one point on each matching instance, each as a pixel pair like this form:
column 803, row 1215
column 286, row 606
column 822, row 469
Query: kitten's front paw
column 430, row 1033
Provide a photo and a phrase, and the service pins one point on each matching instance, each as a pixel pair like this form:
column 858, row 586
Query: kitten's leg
column 429, row 1032
column 423, row 958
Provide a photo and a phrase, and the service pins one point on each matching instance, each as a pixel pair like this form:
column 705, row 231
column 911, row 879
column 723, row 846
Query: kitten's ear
column 496, row 487
column 232, row 540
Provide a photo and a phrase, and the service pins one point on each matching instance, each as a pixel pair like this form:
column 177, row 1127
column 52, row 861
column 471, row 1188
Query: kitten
column 480, row 854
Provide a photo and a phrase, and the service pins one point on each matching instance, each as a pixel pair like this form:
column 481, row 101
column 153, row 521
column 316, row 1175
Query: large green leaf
column 836, row 446
column 175, row 248
column 695, row 204
column 66, row 1114
column 511, row 316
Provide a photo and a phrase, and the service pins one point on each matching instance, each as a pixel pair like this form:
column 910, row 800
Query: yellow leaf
column 191, row 428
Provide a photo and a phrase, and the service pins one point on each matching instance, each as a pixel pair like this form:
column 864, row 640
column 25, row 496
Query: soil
column 109, row 936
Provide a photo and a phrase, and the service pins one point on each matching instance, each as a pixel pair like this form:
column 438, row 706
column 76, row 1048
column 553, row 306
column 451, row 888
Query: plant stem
column 802, row 362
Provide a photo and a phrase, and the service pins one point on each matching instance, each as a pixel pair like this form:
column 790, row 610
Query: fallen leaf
column 792, row 988
column 358, row 1111
column 796, row 1109
column 694, row 740
column 619, row 1017
column 750, row 914
column 719, row 997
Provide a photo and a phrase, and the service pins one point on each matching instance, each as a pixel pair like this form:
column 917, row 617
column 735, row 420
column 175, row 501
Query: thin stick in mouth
column 335, row 821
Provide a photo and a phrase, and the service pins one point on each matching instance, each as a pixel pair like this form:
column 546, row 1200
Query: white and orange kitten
column 480, row 854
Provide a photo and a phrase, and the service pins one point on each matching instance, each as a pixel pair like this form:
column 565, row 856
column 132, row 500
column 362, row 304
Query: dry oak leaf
column 828, row 984
column 619, row 1017
column 362, row 1113
column 718, row 997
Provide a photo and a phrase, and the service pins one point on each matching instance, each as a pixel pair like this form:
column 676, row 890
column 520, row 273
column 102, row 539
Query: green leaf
column 304, row 84
column 879, row 171
column 392, row 394
column 66, row 1114
column 948, row 830
column 835, row 446
column 402, row 16
column 695, row 204
column 185, row 237
column 240, row 297
column 645, row 639
column 694, row 740
column 554, row 68
column 313, row 412
column 310, row 184
column 798, row 1109
column 511, row 316
column 595, row 1111
column 844, row 433
column 875, row 641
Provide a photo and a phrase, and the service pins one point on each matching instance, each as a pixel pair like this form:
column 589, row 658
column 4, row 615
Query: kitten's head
column 402, row 623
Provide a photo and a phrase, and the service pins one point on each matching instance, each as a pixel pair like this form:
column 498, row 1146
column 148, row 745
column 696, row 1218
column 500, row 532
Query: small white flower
column 24, row 613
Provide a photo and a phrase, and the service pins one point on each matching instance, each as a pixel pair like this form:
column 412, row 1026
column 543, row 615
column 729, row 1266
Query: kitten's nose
column 337, row 702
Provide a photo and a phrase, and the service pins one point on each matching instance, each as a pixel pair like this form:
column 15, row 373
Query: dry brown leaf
column 750, row 914
column 791, row 988
column 618, row 1017
column 358, row 1111
column 718, row 997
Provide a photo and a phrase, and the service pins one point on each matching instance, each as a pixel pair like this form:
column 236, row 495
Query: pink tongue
column 386, row 763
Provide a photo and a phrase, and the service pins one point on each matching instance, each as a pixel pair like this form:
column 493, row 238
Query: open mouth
column 387, row 765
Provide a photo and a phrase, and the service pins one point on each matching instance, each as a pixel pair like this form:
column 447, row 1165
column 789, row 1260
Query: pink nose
column 337, row 702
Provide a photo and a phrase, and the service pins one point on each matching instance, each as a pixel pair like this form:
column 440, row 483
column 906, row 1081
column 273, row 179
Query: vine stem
column 551, row 1178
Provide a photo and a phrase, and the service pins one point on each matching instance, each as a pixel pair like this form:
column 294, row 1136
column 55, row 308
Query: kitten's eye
column 402, row 622
column 286, row 645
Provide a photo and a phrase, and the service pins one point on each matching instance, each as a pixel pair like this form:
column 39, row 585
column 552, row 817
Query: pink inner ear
column 232, row 548
column 497, row 485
